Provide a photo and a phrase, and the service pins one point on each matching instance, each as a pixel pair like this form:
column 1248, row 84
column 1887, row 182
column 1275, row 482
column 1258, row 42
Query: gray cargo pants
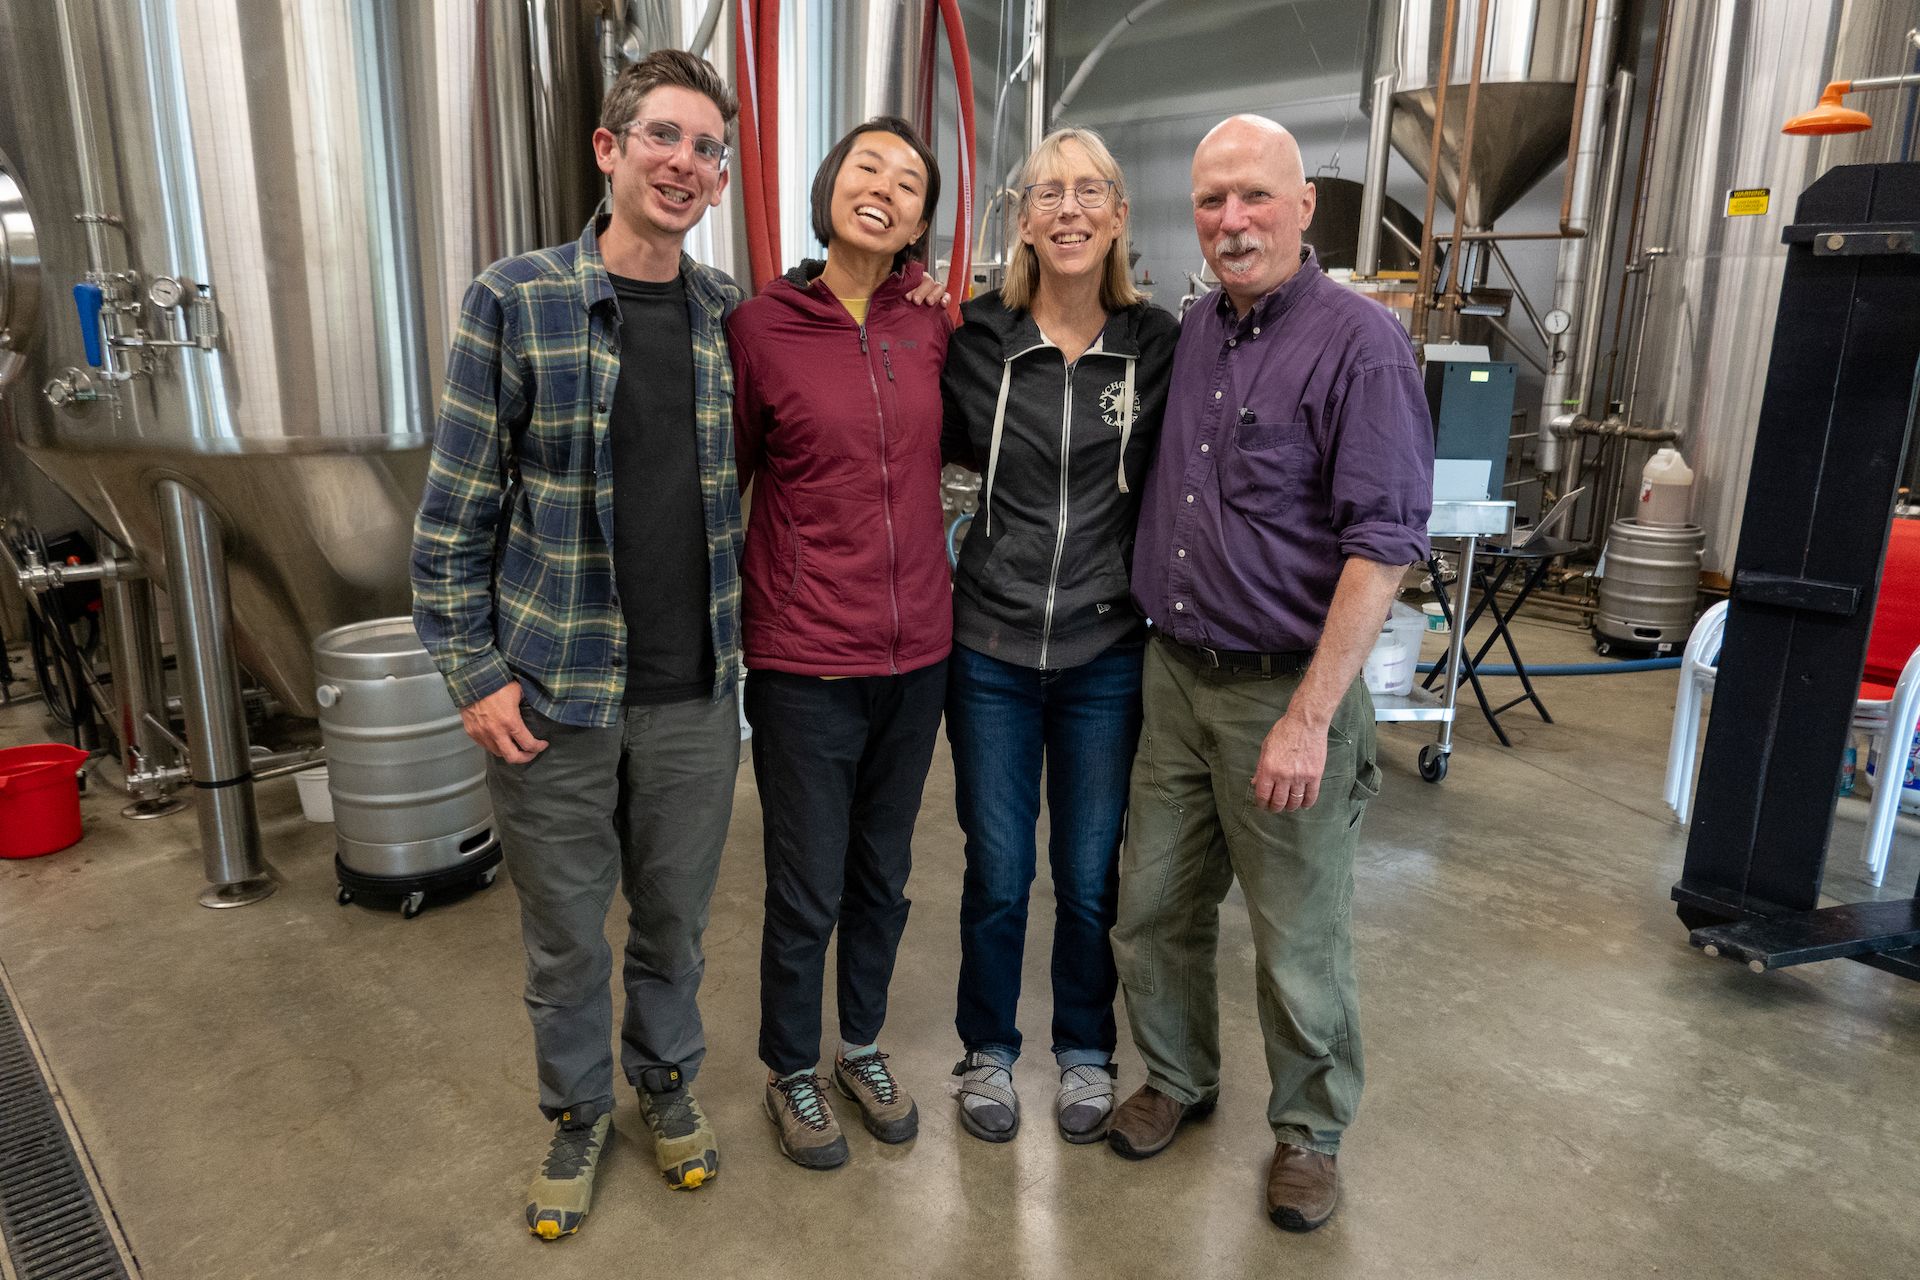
column 644, row 804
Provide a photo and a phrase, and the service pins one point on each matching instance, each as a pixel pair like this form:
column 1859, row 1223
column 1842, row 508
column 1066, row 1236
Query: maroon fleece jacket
column 845, row 572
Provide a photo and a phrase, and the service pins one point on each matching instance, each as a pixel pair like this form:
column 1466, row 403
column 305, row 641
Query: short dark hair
column 829, row 170
column 665, row 67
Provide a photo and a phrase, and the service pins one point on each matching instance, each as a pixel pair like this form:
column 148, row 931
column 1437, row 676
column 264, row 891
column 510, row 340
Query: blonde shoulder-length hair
column 1117, row 290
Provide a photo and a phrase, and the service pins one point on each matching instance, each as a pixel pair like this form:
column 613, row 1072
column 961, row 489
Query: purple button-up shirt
column 1296, row 436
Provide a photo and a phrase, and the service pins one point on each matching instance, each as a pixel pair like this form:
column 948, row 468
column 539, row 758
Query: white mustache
column 1241, row 243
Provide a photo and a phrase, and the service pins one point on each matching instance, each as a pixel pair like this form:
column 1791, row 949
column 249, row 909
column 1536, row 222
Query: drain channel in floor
column 52, row 1224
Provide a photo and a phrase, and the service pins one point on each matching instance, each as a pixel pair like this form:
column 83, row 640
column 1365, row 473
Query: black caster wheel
column 1433, row 763
column 488, row 876
column 411, row 904
column 343, row 895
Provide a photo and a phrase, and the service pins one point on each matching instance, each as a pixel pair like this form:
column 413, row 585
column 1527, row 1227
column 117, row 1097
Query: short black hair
column 659, row 68
column 829, row 170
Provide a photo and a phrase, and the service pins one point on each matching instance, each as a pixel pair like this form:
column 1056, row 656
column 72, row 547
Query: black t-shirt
column 659, row 524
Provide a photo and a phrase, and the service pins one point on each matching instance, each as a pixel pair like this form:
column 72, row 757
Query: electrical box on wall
column 1472, row 406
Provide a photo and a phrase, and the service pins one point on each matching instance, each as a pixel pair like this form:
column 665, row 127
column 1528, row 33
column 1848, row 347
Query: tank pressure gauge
column 1556, row 321
column 166, row 292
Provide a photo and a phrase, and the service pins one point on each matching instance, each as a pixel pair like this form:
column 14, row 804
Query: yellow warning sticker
column 1747, row 202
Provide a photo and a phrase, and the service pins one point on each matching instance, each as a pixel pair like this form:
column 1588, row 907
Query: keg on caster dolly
column 1650, row 589
column 410, row 807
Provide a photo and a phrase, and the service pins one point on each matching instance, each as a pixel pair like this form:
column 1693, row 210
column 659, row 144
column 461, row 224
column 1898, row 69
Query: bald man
column 1291, row 488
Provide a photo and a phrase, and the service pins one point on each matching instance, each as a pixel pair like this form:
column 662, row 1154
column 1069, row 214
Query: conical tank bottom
column 1519, row 135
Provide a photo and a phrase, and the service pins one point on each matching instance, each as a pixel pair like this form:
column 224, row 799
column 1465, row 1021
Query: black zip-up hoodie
column 1042, row 579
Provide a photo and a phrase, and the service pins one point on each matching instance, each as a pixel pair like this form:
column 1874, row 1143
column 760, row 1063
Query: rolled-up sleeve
column 1383, row 464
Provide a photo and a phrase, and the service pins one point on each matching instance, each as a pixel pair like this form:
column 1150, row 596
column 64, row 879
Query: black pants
column 840, row 765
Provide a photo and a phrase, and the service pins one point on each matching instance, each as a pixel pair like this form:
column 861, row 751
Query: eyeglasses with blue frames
column 663, row 138
column 1089, row 193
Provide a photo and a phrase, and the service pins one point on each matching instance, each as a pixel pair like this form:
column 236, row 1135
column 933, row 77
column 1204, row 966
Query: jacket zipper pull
column 863, row 339
column 886, row 360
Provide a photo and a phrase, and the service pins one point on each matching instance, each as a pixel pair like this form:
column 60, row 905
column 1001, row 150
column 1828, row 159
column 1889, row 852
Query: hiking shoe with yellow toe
column 683, row 1142
column 562, row 1191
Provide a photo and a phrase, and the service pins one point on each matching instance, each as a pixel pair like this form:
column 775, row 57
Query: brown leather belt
column 1266, row 664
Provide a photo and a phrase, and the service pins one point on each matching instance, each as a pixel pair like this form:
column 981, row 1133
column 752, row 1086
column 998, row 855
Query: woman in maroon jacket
column 847, row 617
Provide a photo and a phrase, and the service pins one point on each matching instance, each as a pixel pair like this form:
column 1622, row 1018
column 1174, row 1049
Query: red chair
column 1889, row 702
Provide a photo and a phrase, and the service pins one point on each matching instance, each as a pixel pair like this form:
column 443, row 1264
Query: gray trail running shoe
column 809, row 1134
column 989, row 1108
column 562, row 1191
column 1085, row 1102
column 885, row 1108
column 683, row 1142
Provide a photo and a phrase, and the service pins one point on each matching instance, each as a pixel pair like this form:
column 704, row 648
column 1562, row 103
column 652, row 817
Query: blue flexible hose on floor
column 1574, row 668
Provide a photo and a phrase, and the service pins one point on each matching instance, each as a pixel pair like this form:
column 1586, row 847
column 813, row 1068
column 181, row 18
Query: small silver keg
column 410, row 807
column 1649, row 596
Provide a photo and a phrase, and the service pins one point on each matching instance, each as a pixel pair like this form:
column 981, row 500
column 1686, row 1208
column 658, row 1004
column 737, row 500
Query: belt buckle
column 1212, row 656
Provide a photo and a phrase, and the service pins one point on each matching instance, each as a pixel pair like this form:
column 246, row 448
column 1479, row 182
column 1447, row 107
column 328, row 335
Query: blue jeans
column 1002, row 720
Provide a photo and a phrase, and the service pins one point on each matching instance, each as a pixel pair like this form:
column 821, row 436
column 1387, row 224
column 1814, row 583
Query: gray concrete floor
column 1558, row 1085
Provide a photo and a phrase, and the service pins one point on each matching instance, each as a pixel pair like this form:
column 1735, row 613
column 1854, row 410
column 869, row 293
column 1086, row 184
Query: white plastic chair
column 1891, row 724
column 1888, row 723
column 1699, row 663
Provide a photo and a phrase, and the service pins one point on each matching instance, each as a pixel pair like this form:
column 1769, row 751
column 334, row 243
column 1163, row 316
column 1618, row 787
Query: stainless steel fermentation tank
column 236, row 232
column 1528, row 82
column 1735, row 71
column 294, row 196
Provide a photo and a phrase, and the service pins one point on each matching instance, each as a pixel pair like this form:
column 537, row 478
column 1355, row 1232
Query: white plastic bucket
column 316, row 802
column 1436, row 617
column 1389, row 668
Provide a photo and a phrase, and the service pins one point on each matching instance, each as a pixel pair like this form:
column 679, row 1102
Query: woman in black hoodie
column 1054, row 390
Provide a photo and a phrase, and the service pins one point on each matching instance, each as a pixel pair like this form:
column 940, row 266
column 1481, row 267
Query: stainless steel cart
column 1468, row 522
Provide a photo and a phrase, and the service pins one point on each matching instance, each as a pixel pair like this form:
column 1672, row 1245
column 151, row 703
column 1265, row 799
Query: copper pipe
column 1455, row 298
column 1425, row 289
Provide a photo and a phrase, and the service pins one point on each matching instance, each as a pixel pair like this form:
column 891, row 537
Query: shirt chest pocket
column 1264, row 466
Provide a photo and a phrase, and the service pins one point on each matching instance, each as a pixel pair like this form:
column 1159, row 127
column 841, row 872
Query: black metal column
column 1833, row 430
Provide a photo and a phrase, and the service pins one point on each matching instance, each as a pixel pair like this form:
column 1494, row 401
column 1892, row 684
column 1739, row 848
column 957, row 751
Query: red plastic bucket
column 39, row 799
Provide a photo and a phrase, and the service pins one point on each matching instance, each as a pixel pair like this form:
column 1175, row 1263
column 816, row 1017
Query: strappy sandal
column 1085, row 1104
column 982, row 1076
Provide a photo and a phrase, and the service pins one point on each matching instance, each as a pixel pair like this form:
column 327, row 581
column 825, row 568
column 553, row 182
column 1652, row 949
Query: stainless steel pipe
column 1570, row 277
column 148, row 761
column 1373, row 191
column 236, row 871
column 1578, row 398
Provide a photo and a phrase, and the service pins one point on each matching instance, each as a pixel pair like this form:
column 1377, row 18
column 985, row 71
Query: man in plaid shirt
column 575, row 576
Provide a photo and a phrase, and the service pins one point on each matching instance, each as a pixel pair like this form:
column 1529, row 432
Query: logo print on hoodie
column 1110, row 404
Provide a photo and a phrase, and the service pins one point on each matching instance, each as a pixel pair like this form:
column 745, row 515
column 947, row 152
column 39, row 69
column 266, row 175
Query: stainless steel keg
column 410, row 804
column 1649, row 594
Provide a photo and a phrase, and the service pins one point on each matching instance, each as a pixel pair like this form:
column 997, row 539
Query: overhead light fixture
column 1832, row 116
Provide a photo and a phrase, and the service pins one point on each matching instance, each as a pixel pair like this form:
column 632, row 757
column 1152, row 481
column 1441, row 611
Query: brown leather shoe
column 1302, row 1188
column 1145, row 1123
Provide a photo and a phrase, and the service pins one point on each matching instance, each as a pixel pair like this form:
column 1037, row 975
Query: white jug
column 1666, row 490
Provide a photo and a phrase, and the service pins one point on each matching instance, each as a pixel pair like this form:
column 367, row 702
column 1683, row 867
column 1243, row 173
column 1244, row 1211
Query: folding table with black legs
column 1531, row 559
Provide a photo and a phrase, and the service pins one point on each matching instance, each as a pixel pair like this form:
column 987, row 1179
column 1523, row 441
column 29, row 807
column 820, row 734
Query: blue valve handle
column 88, row 299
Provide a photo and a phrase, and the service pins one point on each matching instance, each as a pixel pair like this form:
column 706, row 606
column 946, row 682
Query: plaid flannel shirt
column 512, row 549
